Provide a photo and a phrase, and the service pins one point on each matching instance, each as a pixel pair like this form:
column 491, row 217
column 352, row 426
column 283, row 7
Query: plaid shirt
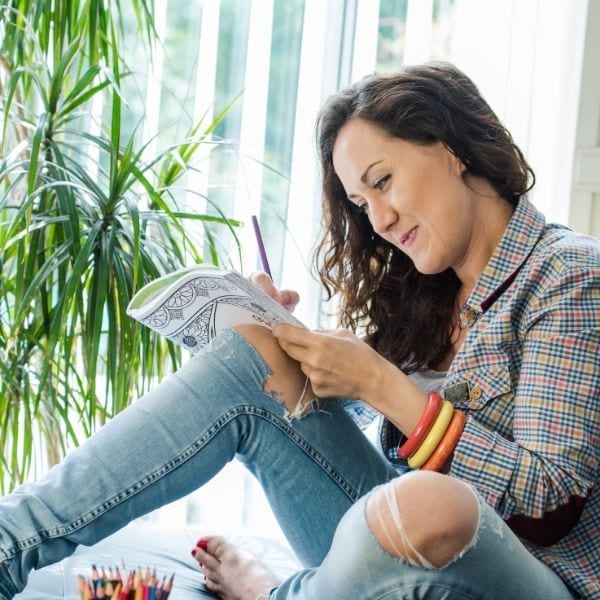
column 528, row 378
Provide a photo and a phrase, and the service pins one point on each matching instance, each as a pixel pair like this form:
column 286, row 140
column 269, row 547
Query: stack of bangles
column 434, row 437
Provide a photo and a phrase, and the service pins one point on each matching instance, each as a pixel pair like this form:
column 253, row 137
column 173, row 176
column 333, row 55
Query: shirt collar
column 524, row 230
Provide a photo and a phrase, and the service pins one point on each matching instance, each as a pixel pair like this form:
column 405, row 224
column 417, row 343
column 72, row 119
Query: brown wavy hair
column 406, row 316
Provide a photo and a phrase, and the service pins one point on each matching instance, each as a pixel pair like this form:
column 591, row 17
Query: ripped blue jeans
column 316, row 471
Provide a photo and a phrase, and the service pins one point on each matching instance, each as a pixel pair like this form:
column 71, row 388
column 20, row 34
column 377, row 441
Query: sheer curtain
column 284, row 57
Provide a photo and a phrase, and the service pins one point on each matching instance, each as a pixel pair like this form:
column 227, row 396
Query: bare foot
column 231, row 572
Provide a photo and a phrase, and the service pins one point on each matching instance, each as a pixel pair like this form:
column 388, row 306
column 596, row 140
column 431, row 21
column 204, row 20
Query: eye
column 380, row 183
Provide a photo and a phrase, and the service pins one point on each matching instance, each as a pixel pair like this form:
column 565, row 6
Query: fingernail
column 194, row 552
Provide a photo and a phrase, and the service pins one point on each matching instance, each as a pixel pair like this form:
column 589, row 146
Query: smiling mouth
column 409, row 236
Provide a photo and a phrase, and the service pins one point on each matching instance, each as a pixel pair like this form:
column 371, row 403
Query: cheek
column 453, row 212
column 445, row 235
column 444, row 227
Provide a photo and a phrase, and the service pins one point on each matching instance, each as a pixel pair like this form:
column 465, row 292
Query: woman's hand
column 336, row 362
column 287, row 298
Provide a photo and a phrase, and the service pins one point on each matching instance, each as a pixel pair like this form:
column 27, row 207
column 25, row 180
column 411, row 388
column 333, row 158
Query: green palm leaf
column 85, row 221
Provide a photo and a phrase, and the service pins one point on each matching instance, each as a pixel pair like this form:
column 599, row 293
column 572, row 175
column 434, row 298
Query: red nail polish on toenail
column 193, row 551
column 202, row 544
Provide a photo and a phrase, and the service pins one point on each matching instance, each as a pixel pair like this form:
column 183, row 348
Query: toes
column 213, row 586
column 212, row 578
column 206, row 558
column 211, row 543
column 229, row 571
column 196, row 554
column 202, row 543
column 208, row 550
column 214, row 545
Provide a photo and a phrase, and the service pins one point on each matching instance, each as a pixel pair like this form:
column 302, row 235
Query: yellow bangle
column 436, row 433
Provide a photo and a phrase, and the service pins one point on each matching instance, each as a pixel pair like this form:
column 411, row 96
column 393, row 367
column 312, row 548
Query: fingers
column 294, row 335
column 321, row 340
column 336, row 362
column 298, row 343
column 287, row 298
column 311, row 349
column 265, row 283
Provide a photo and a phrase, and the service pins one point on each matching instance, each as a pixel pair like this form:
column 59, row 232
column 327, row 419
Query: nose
column 382, row 216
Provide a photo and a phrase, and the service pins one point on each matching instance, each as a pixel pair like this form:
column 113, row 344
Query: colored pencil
column 135, row 585
column 261, row 246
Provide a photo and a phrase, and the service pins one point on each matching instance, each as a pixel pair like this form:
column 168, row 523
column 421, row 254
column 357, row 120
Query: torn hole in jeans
column 397, row 537
column 306, row 403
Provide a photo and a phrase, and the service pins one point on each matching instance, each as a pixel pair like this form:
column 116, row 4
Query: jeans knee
column 425, row 518
column 287, row 383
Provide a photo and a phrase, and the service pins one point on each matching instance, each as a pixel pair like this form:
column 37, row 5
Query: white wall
column 526, row 57
column 584, row 214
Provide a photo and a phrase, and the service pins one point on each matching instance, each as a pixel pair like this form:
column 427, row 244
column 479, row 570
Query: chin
column 429, row 268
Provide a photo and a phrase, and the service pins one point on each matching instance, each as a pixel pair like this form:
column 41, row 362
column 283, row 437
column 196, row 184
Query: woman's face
column 414, row 195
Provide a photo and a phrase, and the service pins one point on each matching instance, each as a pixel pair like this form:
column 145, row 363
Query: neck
column 491, row 217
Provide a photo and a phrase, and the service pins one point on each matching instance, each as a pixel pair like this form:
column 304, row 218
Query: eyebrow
column 365, row 174
column 363, row 177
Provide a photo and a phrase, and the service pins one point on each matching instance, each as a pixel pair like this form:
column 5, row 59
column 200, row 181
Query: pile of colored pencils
column 134, row 585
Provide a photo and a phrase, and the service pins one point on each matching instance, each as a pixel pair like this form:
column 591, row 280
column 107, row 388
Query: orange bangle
column 421, row 429
column 447, row 444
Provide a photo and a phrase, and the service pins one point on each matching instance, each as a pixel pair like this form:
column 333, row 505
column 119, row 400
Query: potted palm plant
column 86, row 218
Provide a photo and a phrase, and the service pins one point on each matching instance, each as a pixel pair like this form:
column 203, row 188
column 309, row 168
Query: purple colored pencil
column 261, row 246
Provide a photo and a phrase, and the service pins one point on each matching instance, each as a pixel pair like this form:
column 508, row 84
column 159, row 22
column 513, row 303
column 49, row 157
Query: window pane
column 231, row 66
column 178, row 81
column 288, row 16
column 392, row 33
column 441, row 34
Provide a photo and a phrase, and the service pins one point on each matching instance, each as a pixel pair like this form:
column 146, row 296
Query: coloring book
column 191, row 306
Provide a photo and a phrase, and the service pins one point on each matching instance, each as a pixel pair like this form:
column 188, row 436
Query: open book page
column 191, row 306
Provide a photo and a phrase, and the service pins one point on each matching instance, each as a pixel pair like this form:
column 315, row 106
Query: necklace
column 467, row 317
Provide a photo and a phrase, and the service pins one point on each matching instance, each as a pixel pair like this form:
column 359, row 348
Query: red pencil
column 126, row 588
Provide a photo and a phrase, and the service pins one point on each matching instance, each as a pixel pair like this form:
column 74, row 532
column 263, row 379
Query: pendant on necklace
column 468, row 317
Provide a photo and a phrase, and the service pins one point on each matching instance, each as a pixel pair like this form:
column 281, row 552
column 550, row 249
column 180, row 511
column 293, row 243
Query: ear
column 456, row 165
column 459, row 166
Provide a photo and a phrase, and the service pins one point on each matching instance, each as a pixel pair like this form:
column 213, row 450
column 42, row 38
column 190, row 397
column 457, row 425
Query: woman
column 457, row 285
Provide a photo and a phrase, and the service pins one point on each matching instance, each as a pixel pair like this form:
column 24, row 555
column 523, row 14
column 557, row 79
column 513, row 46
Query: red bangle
column 422, row 427
column 447, row 444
